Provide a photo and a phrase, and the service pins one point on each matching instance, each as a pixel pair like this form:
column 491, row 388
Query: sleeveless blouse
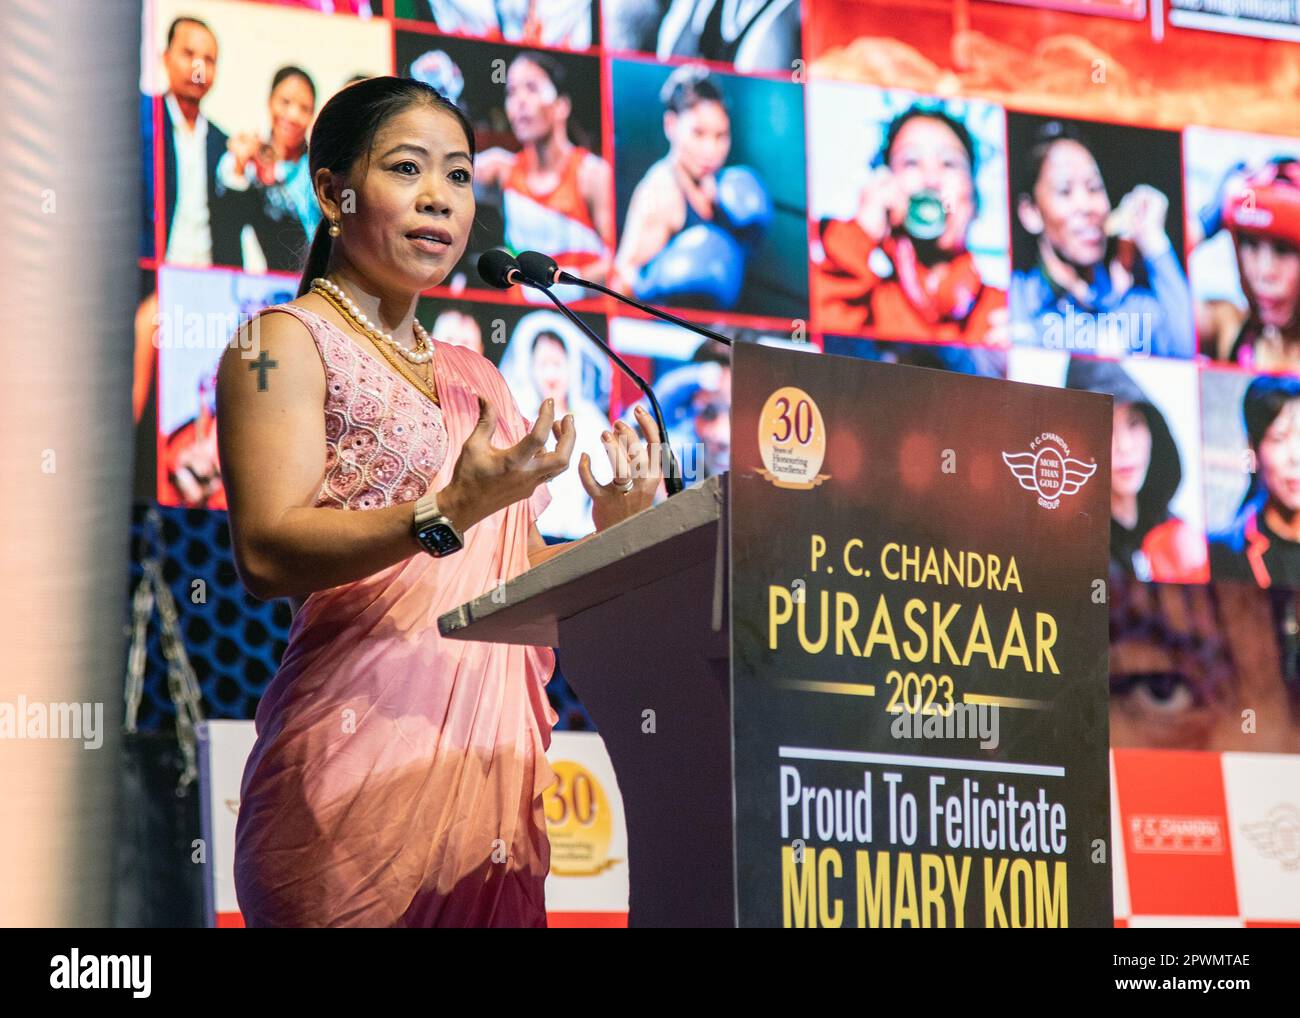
column 397, row 776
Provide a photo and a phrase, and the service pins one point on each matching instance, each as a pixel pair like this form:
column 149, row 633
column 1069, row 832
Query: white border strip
column 899, row 760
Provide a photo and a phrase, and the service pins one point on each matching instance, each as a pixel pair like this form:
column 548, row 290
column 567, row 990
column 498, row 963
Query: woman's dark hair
column 1041, row 143
column 1164, row 467
column 552, row 68
column 344, row 133
column 688, row 86
column 1265, row 397
column 1037, row 145
column 929, row 113
column 293, row 72
column 555, row 73
column 1164, row 471
column 550, row 336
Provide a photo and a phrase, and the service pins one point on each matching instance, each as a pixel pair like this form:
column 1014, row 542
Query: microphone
column 500, row 269
column 542, row 271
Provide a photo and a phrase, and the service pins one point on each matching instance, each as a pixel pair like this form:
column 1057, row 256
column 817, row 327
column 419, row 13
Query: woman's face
column 458, row 329
column 1069, row 205
column 551, row 369
column 532, row 104
column 1278, row 457
column 700, row 137
column 927, row 155
column 415, row 204
column 1270, row 275
column 1130, row 450
column 292, row 107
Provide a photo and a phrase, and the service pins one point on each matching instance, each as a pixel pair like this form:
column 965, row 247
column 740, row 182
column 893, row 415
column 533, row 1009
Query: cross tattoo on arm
column 261, row 366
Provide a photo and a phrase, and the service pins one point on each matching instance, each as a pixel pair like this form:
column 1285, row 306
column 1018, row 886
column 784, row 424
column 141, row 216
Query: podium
column 639, row 614
column 833, row 680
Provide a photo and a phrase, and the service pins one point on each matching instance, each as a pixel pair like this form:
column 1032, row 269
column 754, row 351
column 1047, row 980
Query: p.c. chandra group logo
column 1048, row 469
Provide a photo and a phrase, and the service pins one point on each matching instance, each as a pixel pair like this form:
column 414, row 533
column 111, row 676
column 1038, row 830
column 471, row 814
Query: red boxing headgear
column 1267, row 203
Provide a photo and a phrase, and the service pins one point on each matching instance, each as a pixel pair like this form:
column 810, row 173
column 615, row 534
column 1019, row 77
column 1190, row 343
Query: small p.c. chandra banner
column 919, row 647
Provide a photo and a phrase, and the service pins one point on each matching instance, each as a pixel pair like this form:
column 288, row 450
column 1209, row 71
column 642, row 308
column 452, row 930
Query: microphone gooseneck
column 538, row 271
column 542, row 270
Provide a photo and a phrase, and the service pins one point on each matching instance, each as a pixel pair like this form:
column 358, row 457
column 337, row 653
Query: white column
column 69, row 211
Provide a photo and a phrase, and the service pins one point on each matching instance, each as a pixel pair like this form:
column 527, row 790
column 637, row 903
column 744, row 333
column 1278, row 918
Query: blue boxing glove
column 703, row 266
column 743, row 205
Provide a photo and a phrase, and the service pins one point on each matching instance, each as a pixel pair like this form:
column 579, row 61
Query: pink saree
column 397, row 777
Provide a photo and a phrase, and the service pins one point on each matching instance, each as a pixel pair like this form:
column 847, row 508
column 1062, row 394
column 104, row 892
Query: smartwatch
column 435, row 532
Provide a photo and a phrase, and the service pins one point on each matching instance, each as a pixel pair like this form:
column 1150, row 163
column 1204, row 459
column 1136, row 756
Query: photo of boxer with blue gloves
column 693, row 222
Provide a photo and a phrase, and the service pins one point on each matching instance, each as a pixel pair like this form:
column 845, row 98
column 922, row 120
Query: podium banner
column 919, row 647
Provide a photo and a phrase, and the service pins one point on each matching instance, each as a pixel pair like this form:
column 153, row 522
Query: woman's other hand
column 243, row 146
column 881, row 205
column 633, row 461
column 1141, row 217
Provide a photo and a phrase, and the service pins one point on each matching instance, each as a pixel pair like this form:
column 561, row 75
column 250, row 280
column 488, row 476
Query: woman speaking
column 379, row 477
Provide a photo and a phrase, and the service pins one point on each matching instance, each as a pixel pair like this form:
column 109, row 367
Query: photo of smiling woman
column 898, row 227
column 263, row 185
column 379, row 477
column 1093, row 277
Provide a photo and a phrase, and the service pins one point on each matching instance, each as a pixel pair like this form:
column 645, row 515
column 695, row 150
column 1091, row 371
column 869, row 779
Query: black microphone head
column 495, row 266
column 538, row 268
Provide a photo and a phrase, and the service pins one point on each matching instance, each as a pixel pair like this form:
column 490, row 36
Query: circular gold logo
column 578, row 821
column 792, row 439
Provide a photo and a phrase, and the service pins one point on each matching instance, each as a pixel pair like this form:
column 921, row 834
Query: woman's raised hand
column 638, row 472
column 882, row 204
column 486, row 479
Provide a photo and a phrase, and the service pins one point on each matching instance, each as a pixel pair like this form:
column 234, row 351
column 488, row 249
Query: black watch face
column 439, row 539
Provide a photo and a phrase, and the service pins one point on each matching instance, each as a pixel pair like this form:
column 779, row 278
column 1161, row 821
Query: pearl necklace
column 423, row 352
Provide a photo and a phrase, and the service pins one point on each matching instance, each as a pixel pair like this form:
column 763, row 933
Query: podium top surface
column 664, row 539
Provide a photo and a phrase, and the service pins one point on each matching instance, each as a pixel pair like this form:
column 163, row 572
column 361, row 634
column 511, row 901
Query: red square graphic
column 1174, row 820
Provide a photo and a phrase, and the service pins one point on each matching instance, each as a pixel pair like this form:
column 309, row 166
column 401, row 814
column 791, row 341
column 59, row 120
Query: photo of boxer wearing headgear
column 1260, row 210
column 900, row 268
column 693, row 222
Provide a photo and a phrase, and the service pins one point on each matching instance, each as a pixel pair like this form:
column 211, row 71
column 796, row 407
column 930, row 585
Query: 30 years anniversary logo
column 792, row 440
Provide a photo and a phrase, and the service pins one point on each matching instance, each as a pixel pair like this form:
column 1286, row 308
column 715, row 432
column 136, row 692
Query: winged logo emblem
column 1048, row 470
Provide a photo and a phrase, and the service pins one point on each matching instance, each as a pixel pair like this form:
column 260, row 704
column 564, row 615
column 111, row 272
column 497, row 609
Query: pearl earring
column 334, row 228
